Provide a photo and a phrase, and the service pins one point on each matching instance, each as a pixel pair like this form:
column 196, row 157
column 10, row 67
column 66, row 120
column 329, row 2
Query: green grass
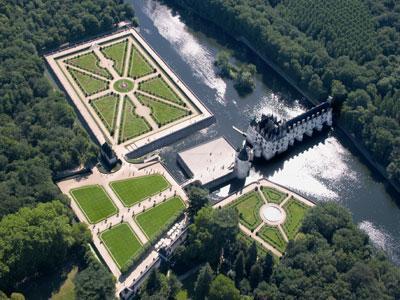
column 117, row 53
column 88, row 84
column 132, row 125
column 295, row 212
column 94, row 202
column 106, row 107
column 67, row 290
column 138, row 65
column 273, row 195
column 118, row 85
column 248, row 207
column 158, row 87
column 122, row 243
column 161, row 112
column 157, row 219
column 89, row 62
column 134, row 190
column 273, row 236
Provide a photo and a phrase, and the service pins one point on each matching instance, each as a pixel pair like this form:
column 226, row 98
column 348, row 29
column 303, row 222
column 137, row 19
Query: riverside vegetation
column 40, row 136
column 347, row 49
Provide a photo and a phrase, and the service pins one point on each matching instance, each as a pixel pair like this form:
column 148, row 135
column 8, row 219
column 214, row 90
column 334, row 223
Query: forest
column 347, row 49
column 330, row 259
column 40, row 134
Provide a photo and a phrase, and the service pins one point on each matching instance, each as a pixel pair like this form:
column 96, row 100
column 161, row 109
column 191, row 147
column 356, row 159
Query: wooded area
column 40, row 133
column 317, row 43
column 330, row 259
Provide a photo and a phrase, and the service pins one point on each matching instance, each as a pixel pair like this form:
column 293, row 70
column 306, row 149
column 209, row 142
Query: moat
column 321, row 169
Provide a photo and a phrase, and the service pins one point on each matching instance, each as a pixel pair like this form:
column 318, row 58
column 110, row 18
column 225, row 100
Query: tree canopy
column 39, row 131
column 346, row 49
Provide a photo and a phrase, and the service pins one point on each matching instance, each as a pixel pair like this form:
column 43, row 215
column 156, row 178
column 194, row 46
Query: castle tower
column 242, row 163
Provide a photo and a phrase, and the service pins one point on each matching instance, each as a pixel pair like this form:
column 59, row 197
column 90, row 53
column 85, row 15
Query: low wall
column 170, row 138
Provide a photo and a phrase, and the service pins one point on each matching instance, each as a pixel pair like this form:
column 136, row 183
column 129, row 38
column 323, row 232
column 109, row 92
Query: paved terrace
column 251, row 187
column 209, row 161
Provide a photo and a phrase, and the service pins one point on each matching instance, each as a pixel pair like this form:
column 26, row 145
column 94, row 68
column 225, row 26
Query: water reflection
column 200, row 58
column 320, row 168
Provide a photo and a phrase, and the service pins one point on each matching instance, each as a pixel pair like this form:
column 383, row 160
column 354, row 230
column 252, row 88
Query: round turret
column 242, row 163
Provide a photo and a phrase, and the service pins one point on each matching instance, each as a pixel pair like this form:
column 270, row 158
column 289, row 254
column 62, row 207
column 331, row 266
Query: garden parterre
column 275, row 234
column 124, row 65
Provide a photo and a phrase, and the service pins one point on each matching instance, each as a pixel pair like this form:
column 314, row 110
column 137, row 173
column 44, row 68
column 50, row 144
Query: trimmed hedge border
column 109, row 76
column 122, row 140
column 91, row 102
column 255, row 213
column 80, row 85
column 289, row 217
column 181, row 103
column 134, row 48
column 124, row 58
column 188, row 112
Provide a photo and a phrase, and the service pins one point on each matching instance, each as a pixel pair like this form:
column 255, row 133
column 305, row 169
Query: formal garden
column 132, row 125
column 159, row 218
column 94, row 202
column 120, row 78
column 133, row 190
column 106, row 108
column 122, row 244
column 162, row 113
column 271, row 215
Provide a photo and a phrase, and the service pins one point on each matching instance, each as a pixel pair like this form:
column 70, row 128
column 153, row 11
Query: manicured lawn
column 295, row 212
column 248, row 207
column 94, row 202
column 272, row 195
column 158, row 219
column 116, row 52
column 132, row 125
column 161, row 112
column 89, row 85
column 122, row 243
column 138, row 65
column 273, row 236
column 134, row 190
column 157, row 86
column 89, row 62
column 106, row 107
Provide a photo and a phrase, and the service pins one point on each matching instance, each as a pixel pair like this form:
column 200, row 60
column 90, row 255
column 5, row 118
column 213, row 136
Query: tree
column 174, row 286
column 212, row 232
column 95, row 282
column 198, row 198
column 203, row 282
column 256, row 274
column 251, row 256
column 268, row 265
column 239, row 267
column 223, row 288
column 43, row 232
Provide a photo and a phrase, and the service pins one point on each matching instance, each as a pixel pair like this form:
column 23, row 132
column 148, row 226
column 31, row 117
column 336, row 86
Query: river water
column 321, row 169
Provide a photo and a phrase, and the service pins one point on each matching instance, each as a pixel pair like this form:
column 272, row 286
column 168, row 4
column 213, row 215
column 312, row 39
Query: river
column 321, row 169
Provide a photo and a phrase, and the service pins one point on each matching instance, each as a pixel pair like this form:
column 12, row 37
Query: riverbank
column 361, row 149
